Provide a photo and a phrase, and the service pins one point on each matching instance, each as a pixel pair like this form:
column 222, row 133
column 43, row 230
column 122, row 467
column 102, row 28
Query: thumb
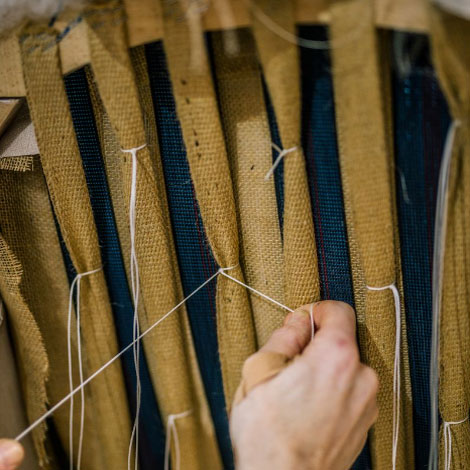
column 11, row 454
column 294, row 336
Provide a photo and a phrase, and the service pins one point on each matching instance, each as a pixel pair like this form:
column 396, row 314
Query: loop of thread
column 135, row 287
column 76, row 286
column 396, row 368
column 448, row 441
column 281, row 154
column 312, row 323
column 171, row 430
column 83, row 384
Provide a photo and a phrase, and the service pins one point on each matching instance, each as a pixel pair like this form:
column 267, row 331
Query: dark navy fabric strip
column 321, row 154
column 195, row 259
column 151, row 437
column 279, row 171
column 421, row 121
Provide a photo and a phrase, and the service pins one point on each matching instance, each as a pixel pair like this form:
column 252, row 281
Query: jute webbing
column 450, row 37
column 199, row 117
column 30, row 231
column 32, row 357
column 112, row 158
column 65, row 178
column 170, row 352
column 280, row 62
column 364, row 158
column 249, row 150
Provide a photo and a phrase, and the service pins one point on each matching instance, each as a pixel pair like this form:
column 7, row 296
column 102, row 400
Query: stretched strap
column 198, row 113
column 248, row 140
column 450, row 36
column 368, row 194
column 280, row 62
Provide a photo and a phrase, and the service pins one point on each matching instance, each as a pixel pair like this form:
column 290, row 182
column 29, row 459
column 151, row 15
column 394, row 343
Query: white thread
column 281, row 154
column 440, row 228
column 75, row 286
column 448, row 441
column 222, row 271
column 135, row 287
column 84, row 383
column 172, row 430
column 312, row 323
column 396, row 369
column 274, row 27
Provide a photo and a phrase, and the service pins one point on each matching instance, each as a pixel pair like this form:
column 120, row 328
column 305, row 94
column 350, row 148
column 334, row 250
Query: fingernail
column 294, row 316
column 11, row 454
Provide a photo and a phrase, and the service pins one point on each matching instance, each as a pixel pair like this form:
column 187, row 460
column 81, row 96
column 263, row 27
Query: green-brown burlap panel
column 30, row 231
column 29, row 346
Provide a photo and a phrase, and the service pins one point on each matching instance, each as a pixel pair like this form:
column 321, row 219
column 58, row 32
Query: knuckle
column 337, row 305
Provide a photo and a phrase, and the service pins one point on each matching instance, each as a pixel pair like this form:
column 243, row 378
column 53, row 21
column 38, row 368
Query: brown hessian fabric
column 202, row 132
column 450, row 39
column 62, row 166
column 29, row 346
column 170, row 351
column 365, row 161
column 280, row 62
column 29, row 229
column 249, row 150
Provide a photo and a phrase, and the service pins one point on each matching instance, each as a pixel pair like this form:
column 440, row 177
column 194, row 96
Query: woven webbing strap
column 365, row 168
column 249, row 149
column 63, row 170
column 199, row 117
column 450, row 37
column 280, row 62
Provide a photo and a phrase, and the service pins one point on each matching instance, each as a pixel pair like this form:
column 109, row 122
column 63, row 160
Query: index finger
column 331, row 316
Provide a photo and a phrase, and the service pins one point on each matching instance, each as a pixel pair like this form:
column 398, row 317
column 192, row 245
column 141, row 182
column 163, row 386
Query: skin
column 314, row 415
column 11, row 454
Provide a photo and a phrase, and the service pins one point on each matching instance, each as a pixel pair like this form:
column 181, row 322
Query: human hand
column 11, row 454
column 316, row 412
